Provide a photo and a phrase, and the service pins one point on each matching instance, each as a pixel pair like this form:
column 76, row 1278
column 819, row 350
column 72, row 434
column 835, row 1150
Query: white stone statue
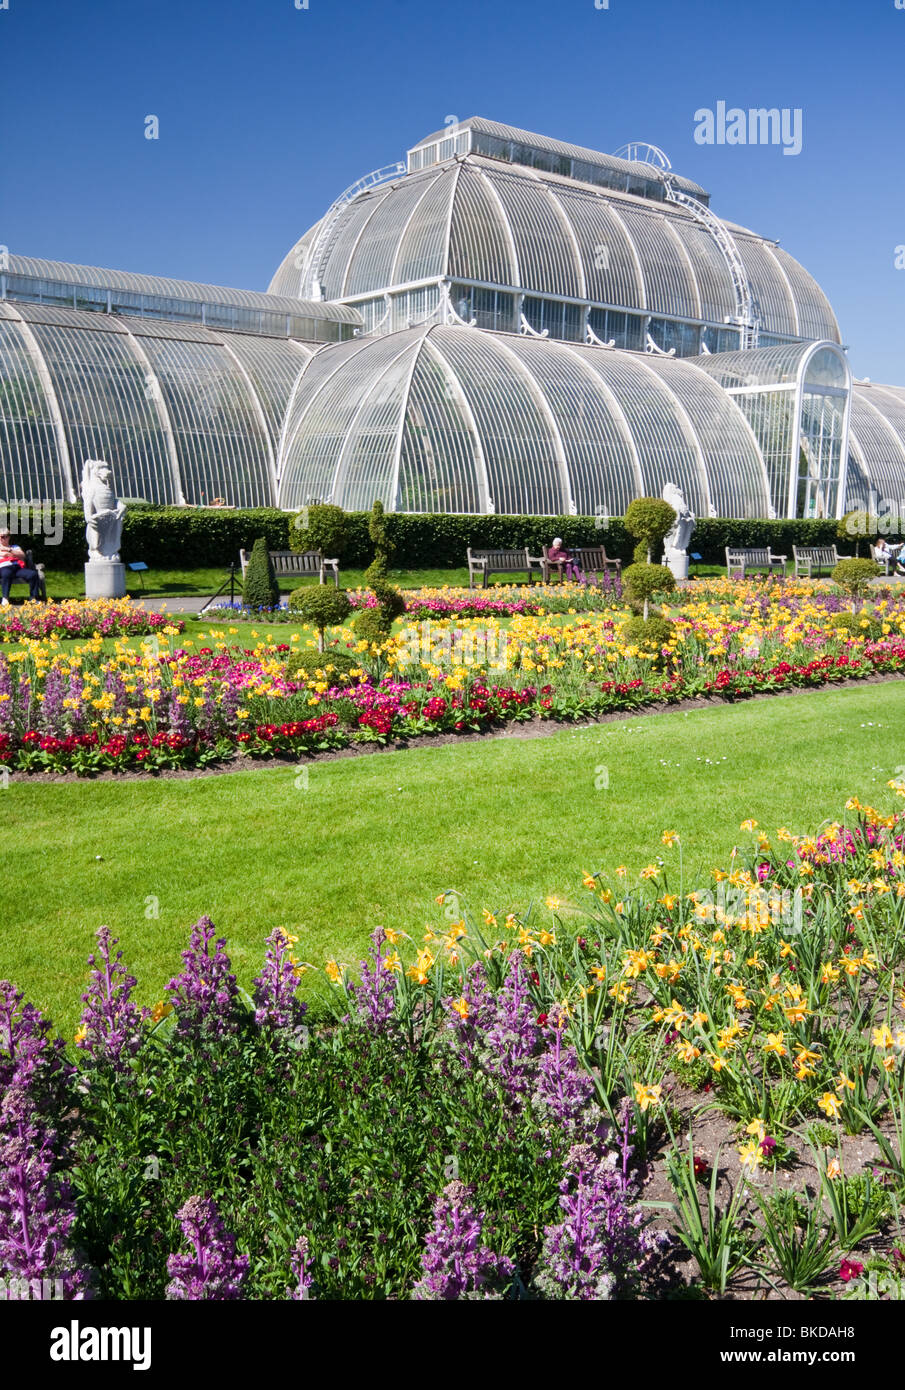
column 675, row 542
column 103, row 512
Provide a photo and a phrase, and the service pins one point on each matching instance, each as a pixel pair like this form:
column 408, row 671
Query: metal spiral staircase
column 311, row 287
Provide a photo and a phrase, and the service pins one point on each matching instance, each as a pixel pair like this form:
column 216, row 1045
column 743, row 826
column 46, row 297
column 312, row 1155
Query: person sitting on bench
column 558, row 555
column 13, row 567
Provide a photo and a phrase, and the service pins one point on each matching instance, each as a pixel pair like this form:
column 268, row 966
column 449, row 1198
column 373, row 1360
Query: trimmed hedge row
column 188, row 538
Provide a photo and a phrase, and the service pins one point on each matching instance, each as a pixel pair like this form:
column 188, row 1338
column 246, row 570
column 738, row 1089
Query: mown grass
column 189, row 582
column 355, row 842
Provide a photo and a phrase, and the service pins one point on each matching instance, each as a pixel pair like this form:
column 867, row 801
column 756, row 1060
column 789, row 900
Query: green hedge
column 188, row 538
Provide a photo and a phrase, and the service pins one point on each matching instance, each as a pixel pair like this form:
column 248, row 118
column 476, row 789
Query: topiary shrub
column 376, row 623
column 853, row 527
column 320, row 527
column 640, row 582
column 322, row 607
column 384, row 549
column 260, row 588
column 307, row 662
column 648, row 519
column 653, row 632
column 370, row 625
column 859, row 625
column 854, row 577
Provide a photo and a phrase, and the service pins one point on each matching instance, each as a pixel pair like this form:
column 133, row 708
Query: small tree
column 322, row 607
column 320, row 527
column 260, row 589
column 853, row 526
column 854, row 577
column 648, row 519
column 640, row 582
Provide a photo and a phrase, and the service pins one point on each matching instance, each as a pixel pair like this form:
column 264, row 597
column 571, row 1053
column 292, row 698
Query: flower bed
column 495, row 1171
column 190, row 705
column 81, row 618
column 732, row 1053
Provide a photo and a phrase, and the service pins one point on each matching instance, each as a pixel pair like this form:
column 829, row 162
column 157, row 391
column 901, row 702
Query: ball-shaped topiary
column 260, row 588
column 651, row 634
column 859, row 624
column 370, row 625
column 321, row 606
column 307, row 662
column 320, row 527
column 648, row 519
column 640, row 582
column 854, row 577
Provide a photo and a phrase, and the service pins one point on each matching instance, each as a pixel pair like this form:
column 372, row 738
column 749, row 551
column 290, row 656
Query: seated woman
column 559, row 556
column 884, row 552
column 13, row 568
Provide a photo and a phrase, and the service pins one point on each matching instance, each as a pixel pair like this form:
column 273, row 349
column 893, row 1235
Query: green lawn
column 173, row 583
column 374, row 839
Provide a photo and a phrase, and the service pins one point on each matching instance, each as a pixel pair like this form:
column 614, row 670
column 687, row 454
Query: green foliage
column 260, row 589
column 799, row 1249
column 371, row 625
column 653, row 632
column 648, row 519
column 384, row 547
column 306, row 662
column 176, row 537
column 712, row 1235
column 320, row 527
column 859, row 624
column 641, row 581
column 322, row 606
column 854, row 576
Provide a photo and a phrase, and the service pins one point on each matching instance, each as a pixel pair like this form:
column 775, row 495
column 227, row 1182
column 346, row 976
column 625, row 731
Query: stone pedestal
column 105, row 579
column 677, row 560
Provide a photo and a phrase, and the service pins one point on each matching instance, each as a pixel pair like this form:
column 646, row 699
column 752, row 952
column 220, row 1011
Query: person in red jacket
column 13, row 567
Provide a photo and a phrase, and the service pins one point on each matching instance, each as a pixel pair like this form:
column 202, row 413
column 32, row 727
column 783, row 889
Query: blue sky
column 267, row 112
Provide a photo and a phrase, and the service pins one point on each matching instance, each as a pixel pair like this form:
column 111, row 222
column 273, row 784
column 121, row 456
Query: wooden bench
column 294, row 564
column 589, row 559
column 485, row 562
column 30, row 564
column 753, row 558
column 815, row 557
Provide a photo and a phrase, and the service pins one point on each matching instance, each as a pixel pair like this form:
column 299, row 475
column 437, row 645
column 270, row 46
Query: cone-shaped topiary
column 321, row 606
column 648, row 519
column 260, row 589
column 640, row 582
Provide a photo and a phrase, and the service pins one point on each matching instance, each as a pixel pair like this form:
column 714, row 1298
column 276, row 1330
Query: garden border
column 524, row 729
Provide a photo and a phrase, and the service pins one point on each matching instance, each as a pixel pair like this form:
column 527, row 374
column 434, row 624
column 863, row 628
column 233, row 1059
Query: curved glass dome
column 452, row 419
column 481, row 222
column 182, row 413
column 877, row 447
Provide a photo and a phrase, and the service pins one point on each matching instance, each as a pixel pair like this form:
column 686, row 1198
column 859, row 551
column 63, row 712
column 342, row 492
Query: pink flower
column 850, row 1269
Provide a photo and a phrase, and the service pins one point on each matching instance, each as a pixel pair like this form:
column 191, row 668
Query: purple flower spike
column 212, row 1270
column 276, row 1005
column 454, row 1262
column 301, row 1272
column 205, row 996
column 376, row 995
column 110, row 1030
column 601, row 1247
column 513, row 1038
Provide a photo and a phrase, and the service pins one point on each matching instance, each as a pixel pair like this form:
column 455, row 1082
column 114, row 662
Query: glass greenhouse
column 503, row 323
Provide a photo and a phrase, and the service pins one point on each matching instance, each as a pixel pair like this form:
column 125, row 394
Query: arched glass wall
column 182, row 413
column 876, row 475
column 796, row 398
column 452, row 419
